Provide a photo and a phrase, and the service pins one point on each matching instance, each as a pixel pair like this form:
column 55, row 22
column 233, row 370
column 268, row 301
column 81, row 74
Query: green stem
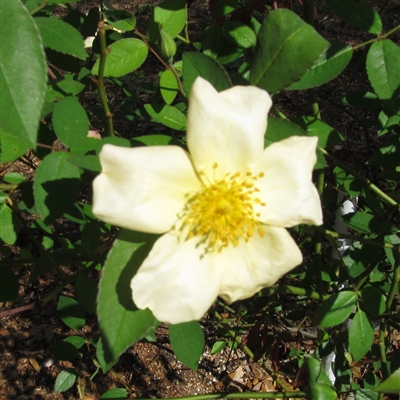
column 166, row 65
column 382, row 349
column 37, row 9
column 363, row 179
column 294, row 290
column 394, row 287
column 337, row 235
column 377, row 39
column 318, row 237
column 100, row 77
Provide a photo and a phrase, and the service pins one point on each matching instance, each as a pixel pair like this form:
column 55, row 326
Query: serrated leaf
column 361, row 335
column 286, row 48
column 213, row 40
column 168, row 86
column 86, row 290
column 218, row 346
column 77, row 341
column 61, row 36
column 65, row 379
column 361, row 99
column 336, row 309
column 63, row 351
column 391, row 384
column 71, row 313
column 9, row 225
column 329, row 64
column 383, row 60
column 8, row 284
column 327, row 136
column 125, row 56
column 197, row 64
column 167, row 115
column 359, row 14
column 171, row 16
column 23, row 76
column 121, row 322
column 14, row 177
column 187, row 340
column 368, row 223
column 373, row 300
column 120, row 19
column 55, row 185
column 70, row 121
column 118, row 393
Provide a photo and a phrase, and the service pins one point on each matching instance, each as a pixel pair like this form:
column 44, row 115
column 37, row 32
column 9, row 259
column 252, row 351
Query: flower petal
column 177, row 282
column 143, row 188
column 287, row 189
column 226, row 128
column 259, row 263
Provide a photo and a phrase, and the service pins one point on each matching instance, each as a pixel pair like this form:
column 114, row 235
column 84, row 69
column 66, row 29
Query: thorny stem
column 363, row 179
column 100, row 77
column 166, row 65
column 377, row 39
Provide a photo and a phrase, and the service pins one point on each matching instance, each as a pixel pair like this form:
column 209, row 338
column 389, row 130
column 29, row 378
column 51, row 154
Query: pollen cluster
column 222, row 212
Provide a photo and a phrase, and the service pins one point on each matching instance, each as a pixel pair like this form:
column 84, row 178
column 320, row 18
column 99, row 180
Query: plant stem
column 100, row 77
column 294, row 290
column 363, row 179
column 395, row 280
column 377, row 39
column 8, row 187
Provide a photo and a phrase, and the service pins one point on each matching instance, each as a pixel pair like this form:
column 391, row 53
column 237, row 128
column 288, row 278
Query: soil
column 150, row 369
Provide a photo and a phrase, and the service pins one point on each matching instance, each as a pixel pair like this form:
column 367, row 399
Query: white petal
column 143, row 188
column 226, row 128
column 177, row 282
column 287, row 189
column 259, row 263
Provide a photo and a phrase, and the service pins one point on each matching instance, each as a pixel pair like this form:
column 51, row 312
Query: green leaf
column 329, row 64
column 118, row 393
column 383, row 60
column 55, row 185
column 9, row 225
column 120, row 19
column 171, row 15
column 14, row 177
column 373, row 300
column 367, row 223
column 361, row 99
column 361, row 335
column 70, row 121
column 358, row 14
column 187, row 340
column 65, row 379
column 61, row 36
column 167, row 115
column 387, row 154
column 86, row 290
column 63, row 351
column 121, row 322
column 154, row 140
column 286, row 48
column 125, row 56
column 197, row 64
column 23, row 75
column 71, row 313
column 320, row 385
column 336, row 309
column 168, row 86
column 327, row 136
column 213, row 39
column 218, row 346
column 8, row 284
column 279, row 129
column 224, row 7
column 77, row 341
column 89, row 162
column 391, row 384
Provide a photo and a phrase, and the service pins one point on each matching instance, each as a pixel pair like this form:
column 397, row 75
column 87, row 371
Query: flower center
column 222, row 212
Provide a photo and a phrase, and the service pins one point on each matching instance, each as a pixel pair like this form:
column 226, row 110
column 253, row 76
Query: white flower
column 222, row 208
